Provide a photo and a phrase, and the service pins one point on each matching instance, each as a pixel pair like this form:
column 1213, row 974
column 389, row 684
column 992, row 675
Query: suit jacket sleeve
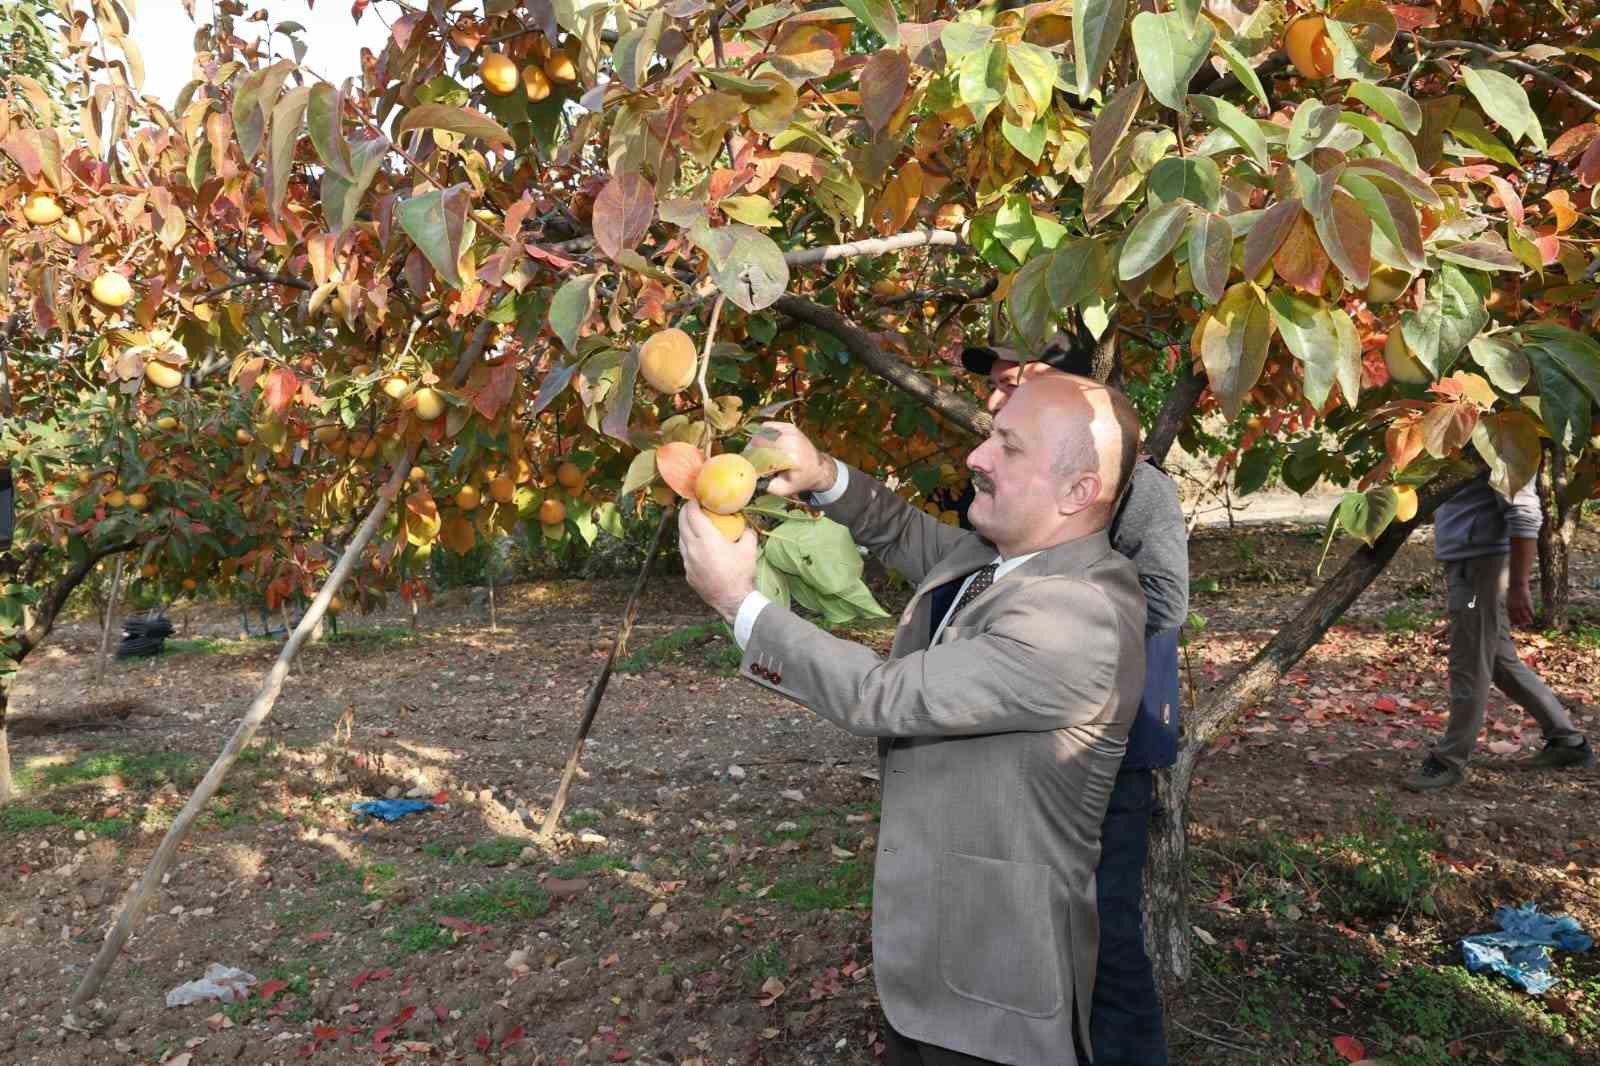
column 1023, row 671
column 901, row 536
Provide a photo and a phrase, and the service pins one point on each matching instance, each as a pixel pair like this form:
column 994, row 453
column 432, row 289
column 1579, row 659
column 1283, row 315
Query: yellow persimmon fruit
column 166, row 423
column 668, row 361
column 190, row 584
column 1403, row 365
column 71, row 231
column 138, row 501
column 162, row 375
column 430, row 404
column 396, row 387
column 503, row 489
column 1306, row 42
column 731, row 526
column 417, row 474
column 326, row 434
column 725, row 484
column 1405, row 503
column 243, row 436
column 536, row 83
column 569, row 477
column 467, row 499
column 149, row 570
column 552, row 513
column 335, row 604
column 1386, row 285
column 111, row 288
column 499, row 74
column 560, row 67
column 115, row 498
column 41, row 209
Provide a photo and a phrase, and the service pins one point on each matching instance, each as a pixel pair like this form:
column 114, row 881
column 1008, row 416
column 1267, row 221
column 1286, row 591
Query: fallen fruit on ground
column 725, row 484
column 731, row 526
column 1305, row 41
column 552, row 513
column 41, row 209
column 678, row 464
column 1404, row 367
column 668, row 361
column 111, row 289
column 430, row 404
column 499, row 74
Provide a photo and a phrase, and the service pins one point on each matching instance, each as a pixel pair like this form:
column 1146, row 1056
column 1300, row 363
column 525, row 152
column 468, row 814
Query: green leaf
column 982, row 81
column 323, row 119
column 1151, row 238
column 286, row 120
column 1210, row 253
column 1577, row 354
column 751, row 210
column 1453, row 314
column 1311, row 125
column 1078, row 270
column 1392, row 104
column 1367, row 514
column 1563, row 404
column 1188, row 178
column 817, row 551
column 1096, row 29
column 1028, row 302
column 1505, row 364
column 633, row 51
column 1506, row 102
column 1169, row 57
column 341, row 199
column 1243, row 71
column 1509, row 443
column 462, row 120
column 772, row 582
column 436, row 222
column 1231, row 340
column 962, row 38
column 570, row 308
column 747, row 265
column 767, row 460
column 1240, row 126
column 1324, row 340
column 879, row 15
column 1035, row 68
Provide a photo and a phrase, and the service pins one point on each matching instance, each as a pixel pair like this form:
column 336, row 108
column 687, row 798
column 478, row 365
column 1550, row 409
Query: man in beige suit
column 1001, row 718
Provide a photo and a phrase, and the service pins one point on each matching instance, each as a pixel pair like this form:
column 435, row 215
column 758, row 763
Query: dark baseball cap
column 1062, row 351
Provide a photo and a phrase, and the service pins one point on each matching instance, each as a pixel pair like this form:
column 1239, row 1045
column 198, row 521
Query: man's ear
column 1080, row 495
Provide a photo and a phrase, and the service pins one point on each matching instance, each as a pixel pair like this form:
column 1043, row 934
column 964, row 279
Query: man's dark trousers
column 1125, row 1025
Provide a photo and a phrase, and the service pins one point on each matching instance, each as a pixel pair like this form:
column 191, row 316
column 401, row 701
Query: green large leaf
column 817, row 551
column 1240, row 126
column 1505, row 101
column 1563, row 404
column 1243, row 70
column 1028, row 302
column 1210, row 253
column 1324, row 339
column 1453, row 314
column 1505, row 364
column 879, row 15
column 323, row 119
column 286, row 120
column 1578, row 354
column 1311, row 125
column 570, row 308
column 1191, row 178
column 341, row 199
column 1344, row 229
column 747, row 265
column 1395, row 106
column 1169, row 56
column 1035, row 69
column 1096, row 28
column 982, row 80
column 1231, row 340
column 462, row 120
column 1078, row 269
column 1509, row 443
column 1367, row 514
column 633, row 51
column 436, row 222
column 1151, row 238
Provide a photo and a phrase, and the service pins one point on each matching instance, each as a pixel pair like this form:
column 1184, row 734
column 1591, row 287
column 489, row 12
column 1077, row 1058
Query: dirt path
column 709, row 904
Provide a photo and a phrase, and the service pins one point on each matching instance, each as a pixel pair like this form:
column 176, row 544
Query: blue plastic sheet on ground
column 1521, row 951
column 391, row 810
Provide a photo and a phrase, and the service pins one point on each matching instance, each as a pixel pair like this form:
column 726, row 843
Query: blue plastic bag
column 1520, row 952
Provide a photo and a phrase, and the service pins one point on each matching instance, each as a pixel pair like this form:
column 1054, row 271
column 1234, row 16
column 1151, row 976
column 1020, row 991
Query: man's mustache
column 982, row 483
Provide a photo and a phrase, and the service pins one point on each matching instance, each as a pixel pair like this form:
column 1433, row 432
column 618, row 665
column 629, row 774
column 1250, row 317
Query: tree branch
column 877, row 246
column 44, row 618
column 938, row 398
column 1505, row 59
column 1174, row 412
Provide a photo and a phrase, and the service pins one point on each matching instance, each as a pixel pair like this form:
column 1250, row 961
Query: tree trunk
column 1165, row 876
column 7, row 788
column 140, row 895
column 1556, row 535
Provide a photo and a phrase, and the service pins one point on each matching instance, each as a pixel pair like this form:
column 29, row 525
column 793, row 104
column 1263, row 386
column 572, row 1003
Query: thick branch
column 44, row 618
column 1174, row 412
column 938, row 398
column 1301, row 633
column 876, row 246
column 1505, row 60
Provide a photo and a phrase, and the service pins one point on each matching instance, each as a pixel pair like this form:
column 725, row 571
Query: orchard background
column 484, row 311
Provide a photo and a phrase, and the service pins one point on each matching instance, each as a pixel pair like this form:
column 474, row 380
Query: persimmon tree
column 1358, row 234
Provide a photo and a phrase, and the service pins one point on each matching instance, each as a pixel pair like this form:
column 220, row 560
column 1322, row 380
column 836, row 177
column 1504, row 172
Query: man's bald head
column 1096, row 428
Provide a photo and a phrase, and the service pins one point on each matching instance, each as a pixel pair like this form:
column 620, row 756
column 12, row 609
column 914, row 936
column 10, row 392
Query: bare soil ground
column 708, row 900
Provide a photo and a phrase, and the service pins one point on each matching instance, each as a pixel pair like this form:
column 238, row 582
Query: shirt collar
column 1005, row 566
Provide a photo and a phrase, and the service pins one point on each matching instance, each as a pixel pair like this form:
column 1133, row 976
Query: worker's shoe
column 1433, row 775
column 1558, row 754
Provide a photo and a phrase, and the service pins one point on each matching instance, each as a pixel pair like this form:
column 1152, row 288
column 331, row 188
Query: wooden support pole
column 111, row 617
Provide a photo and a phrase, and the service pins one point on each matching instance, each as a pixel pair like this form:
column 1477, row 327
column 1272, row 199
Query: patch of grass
column 1385, row 867
column 14, row 819
column 1405, row 618
column 842, row 887
column 1581, row 634
column 417, row 936
column 496, row 851
column 764, row 962
column 584, row 818
column 1425, row 1012
column 139, row 771
column 588, row 864
column 257, row 754
column 714, row 640
column 224, row 815
column 511, row 897
column 209, row 645
column 804, row 825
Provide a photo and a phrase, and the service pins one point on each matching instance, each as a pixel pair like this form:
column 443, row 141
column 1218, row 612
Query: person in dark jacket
column 1125, row 1015
column 1487, row 544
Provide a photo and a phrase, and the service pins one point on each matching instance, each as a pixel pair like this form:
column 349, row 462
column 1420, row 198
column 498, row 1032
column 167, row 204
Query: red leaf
column 319, row 937
column 280, row 387
column 622, row 1054
column 380, row 1038
column 551, row 259
column 268, row 989
column 493, row 397
column 622, row 213
column 441, row 797
column 369, row 975
column 404, row 1015
column 325, row 1032
column 883, row 85
column 461, row 925
column 1351, row 1049
column 439, row 1012
column 513, row 1036
column 1386, row 705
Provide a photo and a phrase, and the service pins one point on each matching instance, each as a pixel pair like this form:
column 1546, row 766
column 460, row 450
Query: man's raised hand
column 722, row 573
column 812, row 471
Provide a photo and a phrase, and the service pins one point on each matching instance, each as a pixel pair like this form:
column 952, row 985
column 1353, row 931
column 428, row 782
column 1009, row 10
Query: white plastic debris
column 220, row 982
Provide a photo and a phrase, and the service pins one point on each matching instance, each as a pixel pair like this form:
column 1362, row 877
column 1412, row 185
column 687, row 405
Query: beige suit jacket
column 999, row 746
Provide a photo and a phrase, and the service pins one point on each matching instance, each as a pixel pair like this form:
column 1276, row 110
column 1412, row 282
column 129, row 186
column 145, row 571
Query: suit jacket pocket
column 998, row 941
